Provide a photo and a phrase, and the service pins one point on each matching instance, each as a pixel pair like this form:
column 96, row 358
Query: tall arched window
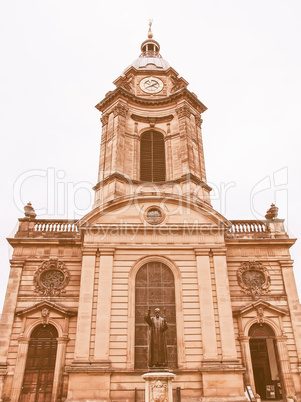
column 152, row 157
column 155, row 287
column 40, row 364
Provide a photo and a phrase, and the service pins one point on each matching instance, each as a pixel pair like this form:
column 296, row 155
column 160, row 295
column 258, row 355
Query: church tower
column 73, row 325
column 151, row 136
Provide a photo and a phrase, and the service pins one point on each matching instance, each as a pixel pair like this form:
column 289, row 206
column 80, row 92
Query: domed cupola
column 150, row 58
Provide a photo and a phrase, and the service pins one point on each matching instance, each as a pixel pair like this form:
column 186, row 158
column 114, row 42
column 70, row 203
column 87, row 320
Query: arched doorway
column 40, row 364
column 265, row 362
column 154, row 287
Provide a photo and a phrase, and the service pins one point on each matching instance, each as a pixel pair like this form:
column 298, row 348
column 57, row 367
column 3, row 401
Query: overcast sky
column 59, row 58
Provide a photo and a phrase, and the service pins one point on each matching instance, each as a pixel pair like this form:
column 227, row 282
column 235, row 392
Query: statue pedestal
column 158, row 386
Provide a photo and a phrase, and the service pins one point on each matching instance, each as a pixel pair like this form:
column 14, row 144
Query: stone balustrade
column 58, row 225
column 248, row 226
column 253, row 229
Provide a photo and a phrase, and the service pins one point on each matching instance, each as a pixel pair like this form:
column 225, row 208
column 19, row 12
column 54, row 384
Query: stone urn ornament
column 29, row 211
column 272, row 212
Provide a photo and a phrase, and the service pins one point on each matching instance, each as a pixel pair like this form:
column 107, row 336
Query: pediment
column 260, row 304
column 176, row 210
column 50, row 306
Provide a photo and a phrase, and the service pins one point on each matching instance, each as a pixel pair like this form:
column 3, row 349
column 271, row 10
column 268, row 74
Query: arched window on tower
column 152, row 157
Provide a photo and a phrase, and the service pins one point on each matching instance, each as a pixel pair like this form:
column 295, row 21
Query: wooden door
column 40, row 365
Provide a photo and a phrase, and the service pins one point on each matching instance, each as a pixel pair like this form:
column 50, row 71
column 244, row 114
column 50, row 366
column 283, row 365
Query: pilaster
column 3, row 373
column 206, row 305
column 59, row 366
column 9, row 308
column 83, row 333
column 184, row 112
column 103, row 317
column 202, row 170
column 120, row 112
column 19, row 369
column 103, row 148
column 224, row 305
column 285, row 365
column 293, row 302
column 247, row 360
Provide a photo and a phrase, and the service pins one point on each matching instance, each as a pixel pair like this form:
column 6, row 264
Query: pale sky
column 59, row 58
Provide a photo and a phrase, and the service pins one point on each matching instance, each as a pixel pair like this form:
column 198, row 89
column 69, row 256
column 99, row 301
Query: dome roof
column 150, row 58
column 150, row 63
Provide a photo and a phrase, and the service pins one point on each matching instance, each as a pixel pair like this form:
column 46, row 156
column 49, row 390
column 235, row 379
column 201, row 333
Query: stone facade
column 73, row 285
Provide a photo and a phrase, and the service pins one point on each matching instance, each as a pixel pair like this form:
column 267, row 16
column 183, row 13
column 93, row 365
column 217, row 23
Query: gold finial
column 150, row 34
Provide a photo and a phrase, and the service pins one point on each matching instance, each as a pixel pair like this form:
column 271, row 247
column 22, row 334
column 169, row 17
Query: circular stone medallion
column 154, row 215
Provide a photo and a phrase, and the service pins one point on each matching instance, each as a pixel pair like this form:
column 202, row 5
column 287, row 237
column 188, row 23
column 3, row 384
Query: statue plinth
column 158, row 386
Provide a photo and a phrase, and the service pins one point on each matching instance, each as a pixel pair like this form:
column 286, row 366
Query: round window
column 154, row 216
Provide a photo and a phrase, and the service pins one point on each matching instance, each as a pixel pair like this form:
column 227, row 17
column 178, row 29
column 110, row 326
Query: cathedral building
column 73, row 325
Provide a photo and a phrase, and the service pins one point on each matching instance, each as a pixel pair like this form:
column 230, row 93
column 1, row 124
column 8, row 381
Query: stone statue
column 157, row 347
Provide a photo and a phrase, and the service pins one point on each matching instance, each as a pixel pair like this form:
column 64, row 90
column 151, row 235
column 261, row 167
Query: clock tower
column 151, row 136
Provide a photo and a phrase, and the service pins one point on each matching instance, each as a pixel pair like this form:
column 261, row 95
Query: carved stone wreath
column 253, row 278
column 51, row 278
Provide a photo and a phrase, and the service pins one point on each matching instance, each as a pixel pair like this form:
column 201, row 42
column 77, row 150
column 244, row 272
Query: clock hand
column 155, row 84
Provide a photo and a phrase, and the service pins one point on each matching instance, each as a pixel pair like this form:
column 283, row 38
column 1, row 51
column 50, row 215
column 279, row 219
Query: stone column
column 285, row 368
column 83, row 333
column 19, row 369
column 206, row 305
column 59, row 366
column 224, row 305
column 103, row 318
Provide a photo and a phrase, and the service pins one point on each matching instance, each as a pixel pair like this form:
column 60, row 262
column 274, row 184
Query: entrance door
column 264, row 362
column 40, row 365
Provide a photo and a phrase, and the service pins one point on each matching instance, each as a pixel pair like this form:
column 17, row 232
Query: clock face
column 151, row 85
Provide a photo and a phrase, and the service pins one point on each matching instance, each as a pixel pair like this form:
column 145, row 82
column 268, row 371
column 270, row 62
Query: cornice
column 122, row 93
column 259, row 241
column 141, row 72
column 43, row 240
column 182, row 179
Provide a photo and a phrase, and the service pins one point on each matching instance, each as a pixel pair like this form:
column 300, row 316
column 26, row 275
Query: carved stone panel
column 159, row 391
column 253, row 278
column 51, row 278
